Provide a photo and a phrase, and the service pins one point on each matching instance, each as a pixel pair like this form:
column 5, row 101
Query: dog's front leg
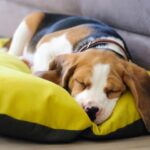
column 24, row 33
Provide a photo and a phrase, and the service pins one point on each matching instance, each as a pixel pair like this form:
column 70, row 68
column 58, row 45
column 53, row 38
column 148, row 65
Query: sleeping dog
column 84, row 56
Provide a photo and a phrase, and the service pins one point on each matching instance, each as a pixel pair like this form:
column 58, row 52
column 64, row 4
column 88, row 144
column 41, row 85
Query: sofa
column 129, row 18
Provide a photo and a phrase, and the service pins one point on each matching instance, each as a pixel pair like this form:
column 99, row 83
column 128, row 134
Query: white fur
column 49, row 50
column 95, row 96
column 21, row 37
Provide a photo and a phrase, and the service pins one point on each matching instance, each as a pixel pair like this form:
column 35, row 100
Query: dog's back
column 56, row 22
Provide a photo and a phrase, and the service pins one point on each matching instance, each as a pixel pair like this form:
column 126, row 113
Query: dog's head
column 96, row 79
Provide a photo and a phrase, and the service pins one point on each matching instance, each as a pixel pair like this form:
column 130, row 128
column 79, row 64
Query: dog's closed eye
column 83, row 84
column 113, row 91
column 77, row 87
column 80, row 83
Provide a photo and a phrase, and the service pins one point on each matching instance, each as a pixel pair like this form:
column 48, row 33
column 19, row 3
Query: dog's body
column 60, row 34
column 83, row 55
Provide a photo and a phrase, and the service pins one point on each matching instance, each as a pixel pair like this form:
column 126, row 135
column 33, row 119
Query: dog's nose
column 92, row 112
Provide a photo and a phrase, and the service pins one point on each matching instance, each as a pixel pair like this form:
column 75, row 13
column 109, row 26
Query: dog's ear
column 48, row 75
column 64, row 65
column 138, row 81
column 60, row 70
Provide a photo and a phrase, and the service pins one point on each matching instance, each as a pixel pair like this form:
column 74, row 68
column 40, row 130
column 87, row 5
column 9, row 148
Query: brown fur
column 74, row 35
column 48, row 75
column 77, row 33
column 33, row 20
column 138, row 81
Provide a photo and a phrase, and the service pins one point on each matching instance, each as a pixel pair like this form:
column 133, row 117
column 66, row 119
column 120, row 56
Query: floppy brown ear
column 138, row 81
column 64, row 66
column 48, row 75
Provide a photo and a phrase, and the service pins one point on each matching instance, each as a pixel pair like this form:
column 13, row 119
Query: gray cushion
column 130, row 15
column 139, row 47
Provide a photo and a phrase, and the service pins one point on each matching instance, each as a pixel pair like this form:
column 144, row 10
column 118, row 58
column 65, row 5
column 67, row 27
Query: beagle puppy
column 84, row 56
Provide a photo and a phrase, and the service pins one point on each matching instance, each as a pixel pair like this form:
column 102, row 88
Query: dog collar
column 98, row 42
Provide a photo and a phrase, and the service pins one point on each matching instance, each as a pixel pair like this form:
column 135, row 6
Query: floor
column 138, row 143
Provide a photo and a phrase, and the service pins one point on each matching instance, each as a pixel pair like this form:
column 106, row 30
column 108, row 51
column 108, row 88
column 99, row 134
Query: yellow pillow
column 32, row 100
column 3, row 41
column 38, row 110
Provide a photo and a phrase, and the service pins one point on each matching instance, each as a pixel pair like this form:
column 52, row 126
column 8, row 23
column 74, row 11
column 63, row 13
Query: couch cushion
column 128, row 15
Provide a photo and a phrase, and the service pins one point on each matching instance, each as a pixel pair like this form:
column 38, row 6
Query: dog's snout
column 92, row 112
